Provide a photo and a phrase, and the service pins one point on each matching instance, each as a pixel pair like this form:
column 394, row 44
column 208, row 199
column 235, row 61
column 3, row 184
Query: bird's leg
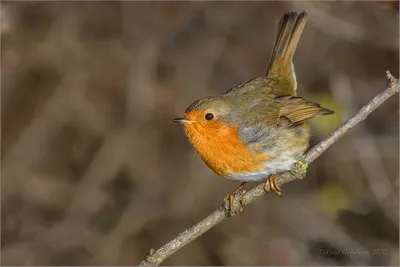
column 272, row 185
column 232, row 196
column 299, row 169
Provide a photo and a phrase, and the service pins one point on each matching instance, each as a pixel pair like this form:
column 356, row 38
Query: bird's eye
column 209, row 116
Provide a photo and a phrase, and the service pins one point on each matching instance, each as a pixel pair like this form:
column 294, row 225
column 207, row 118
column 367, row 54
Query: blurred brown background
column 94, row 171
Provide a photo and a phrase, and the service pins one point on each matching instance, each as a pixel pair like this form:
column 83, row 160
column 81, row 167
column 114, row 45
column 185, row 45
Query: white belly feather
column 275, row 166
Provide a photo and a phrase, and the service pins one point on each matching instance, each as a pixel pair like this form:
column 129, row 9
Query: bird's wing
column 297, row 109
column 261, row 119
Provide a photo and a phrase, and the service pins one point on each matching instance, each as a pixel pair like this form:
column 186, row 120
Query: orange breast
column 221, row 149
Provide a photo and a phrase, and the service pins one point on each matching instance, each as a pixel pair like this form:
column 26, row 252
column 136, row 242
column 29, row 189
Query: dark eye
column 209, row 116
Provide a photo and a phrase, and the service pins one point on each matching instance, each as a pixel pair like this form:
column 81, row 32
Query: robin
column 260, row 127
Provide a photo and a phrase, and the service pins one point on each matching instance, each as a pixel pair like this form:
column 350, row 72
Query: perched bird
column 260, row 127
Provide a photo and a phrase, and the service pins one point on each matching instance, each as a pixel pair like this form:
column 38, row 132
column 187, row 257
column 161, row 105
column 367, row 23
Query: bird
column 260, row 127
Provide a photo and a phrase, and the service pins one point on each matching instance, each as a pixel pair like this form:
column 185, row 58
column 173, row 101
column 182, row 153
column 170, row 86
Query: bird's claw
column 272, row 185
column 233, row 202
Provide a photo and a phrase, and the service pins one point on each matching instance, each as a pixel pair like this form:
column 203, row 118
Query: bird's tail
column 290, row 28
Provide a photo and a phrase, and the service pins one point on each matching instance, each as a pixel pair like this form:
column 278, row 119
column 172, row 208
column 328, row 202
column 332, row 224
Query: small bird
column 260, row 127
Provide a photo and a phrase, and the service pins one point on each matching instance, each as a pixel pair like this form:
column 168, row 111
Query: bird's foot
column 272, row 184
column 299, row 169
column 233, row 202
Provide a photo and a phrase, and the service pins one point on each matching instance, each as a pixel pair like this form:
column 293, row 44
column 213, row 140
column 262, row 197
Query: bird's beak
column 182, row 120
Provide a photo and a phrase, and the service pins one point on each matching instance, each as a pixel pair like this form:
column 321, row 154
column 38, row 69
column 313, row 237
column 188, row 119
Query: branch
column 156, row 257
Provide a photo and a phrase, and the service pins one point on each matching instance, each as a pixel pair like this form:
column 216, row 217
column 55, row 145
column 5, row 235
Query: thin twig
column 156, row 257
